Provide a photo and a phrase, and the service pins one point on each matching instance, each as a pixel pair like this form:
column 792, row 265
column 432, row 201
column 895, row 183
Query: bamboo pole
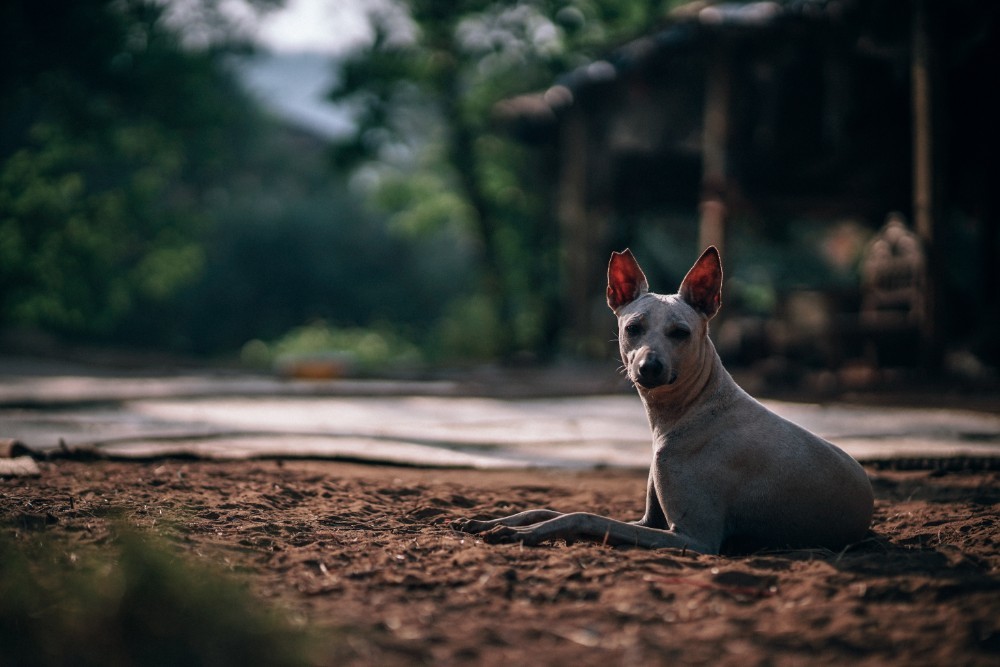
column 922, row 82
column 715, row 138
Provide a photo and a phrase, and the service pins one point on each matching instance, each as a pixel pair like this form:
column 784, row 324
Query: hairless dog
column 726, row 472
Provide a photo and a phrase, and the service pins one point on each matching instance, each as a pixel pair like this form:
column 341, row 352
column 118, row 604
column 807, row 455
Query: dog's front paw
column 471, row 525
column 510, row 535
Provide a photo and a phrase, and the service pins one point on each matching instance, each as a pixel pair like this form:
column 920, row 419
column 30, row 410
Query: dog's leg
column 520, row 519
column 581, row 525
column 653, row 517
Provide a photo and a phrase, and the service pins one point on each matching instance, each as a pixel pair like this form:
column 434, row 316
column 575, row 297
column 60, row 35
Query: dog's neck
column 670, row 406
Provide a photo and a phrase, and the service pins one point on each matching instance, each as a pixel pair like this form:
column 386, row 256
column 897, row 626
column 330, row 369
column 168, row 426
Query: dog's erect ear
column 702, row 286
column 626, row 281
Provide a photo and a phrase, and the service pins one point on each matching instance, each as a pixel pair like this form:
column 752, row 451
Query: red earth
column 365, row 556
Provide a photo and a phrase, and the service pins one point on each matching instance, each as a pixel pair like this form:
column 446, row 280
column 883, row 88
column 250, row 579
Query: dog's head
column 661, row 335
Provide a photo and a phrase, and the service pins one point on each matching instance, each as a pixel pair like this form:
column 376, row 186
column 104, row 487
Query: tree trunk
column 462, row 155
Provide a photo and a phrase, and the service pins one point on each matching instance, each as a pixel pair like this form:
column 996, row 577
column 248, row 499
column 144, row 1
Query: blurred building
column 818, row 108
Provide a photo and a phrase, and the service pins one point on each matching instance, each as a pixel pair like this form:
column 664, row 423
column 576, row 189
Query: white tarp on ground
column 265, row 418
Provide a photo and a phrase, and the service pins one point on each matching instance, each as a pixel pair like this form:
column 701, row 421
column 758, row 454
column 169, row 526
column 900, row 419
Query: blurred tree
column 111, row 135
column 423, row 92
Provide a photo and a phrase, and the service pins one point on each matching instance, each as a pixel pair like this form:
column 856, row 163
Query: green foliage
column 424, row 91
column 284, row 253
column 473, row 314
column 356, row 349
column 420, row 203
column 75, row 255
column 110, row 135
column 145, row 606
column 144, row 200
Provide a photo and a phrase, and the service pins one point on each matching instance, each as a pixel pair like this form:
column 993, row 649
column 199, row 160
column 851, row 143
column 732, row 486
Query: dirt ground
column 365, row 554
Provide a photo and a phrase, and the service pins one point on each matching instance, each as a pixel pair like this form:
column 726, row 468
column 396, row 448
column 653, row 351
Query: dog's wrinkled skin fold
column 726, row 471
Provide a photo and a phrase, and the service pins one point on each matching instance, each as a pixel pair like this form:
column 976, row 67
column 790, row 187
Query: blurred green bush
column 138, row 604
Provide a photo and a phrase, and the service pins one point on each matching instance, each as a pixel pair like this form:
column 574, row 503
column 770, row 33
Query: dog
column 727, row 474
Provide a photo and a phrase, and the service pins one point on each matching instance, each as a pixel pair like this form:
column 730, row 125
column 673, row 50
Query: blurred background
column 382, row 187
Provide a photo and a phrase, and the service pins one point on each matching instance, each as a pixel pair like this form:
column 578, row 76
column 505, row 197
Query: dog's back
column 803, row 490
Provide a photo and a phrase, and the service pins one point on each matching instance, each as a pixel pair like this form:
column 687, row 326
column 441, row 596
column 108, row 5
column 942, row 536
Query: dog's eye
column 678, row 334
column 633, row 329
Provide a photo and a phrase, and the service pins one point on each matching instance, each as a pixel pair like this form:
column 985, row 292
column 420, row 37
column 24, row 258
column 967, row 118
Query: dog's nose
column 650, row 369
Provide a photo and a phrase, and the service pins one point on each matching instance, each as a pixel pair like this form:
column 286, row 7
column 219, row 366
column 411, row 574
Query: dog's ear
column 702, row 286
column 626, row 281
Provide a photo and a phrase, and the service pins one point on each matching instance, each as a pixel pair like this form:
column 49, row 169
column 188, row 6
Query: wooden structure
column 894, row 294
column 767, row 110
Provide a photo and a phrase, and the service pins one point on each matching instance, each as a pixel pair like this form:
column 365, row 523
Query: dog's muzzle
column 651, row 372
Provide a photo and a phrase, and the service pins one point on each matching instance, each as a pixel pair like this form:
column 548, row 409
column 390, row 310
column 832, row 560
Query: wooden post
column 572, row 214
column 922, row 82
column 923, row 170
column 715, row 137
